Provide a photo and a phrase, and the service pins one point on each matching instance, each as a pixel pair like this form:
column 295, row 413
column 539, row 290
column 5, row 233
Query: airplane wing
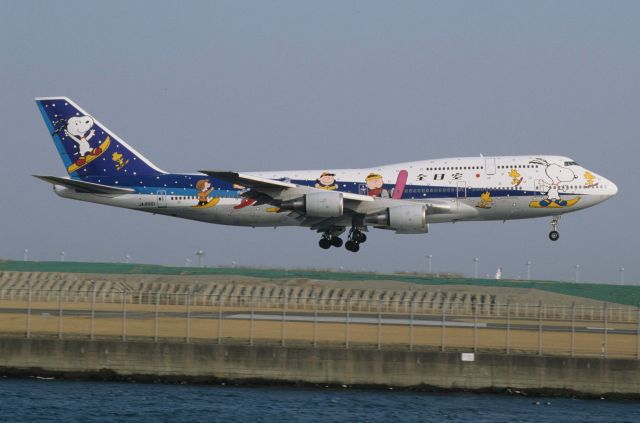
column 83, row 186
column 273, row 186
column 277, row 193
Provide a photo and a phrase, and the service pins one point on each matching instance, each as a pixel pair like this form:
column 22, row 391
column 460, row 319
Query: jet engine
column 407, row 219
column 320, row 204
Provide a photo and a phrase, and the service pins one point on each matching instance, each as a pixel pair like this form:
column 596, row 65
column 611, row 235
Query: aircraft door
column 490, row 165
column 162, row 199
column 540, row 187
column 461, row 189
column 362, row 189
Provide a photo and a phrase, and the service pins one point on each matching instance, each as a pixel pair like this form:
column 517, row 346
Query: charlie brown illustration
column 203, row 186
column 375, row 186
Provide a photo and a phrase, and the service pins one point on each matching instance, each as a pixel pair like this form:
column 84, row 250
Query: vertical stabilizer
column 87, row 147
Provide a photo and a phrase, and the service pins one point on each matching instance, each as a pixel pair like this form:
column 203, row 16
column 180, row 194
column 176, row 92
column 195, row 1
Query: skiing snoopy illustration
column 80, row 130
column 556, row 175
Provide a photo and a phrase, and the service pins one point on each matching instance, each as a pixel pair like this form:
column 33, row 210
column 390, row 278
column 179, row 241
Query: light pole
column 529, row 270
column 429, row 259
column 621, row 270
column 26, row 254
column 62, row 254
column 199, row 254
column 127, row 258
column 577, row 278
column 475, row 268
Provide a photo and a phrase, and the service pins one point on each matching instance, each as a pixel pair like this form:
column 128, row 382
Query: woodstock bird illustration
column 485, row 200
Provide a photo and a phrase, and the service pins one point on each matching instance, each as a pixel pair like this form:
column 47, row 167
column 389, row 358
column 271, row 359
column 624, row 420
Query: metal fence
column 382, row 323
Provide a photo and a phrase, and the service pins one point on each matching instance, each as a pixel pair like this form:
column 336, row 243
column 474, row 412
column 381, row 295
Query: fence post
column 379, row 330
column 284, row 316
column 188, row 328
column 508, row 341
column 124, row 315
column 315, row 322
column 251, row 321
column 475, row 326
column 442, row 328
column 155, row 318
column 540, row 328
column 411, row 328
column 93, row 312
column 573, row 329
column 60, row 313
column 219, row 323
column 638, row 332
column 605, row 318
column 346, row 325
column 28, row 328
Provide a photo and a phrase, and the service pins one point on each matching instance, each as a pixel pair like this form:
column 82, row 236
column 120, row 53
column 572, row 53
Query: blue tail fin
column 87, row 148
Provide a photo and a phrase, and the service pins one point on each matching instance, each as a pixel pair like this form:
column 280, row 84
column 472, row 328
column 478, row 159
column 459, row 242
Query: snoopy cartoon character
column 556, row 175
column 79, row 129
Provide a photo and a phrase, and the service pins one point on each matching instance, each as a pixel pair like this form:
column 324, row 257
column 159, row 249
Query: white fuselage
column 480, row 188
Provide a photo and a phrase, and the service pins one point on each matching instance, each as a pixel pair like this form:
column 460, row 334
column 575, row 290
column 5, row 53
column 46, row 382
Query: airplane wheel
column 554, row 235
column 336, row 241
column 362, row 238
column 351, row 246
column 324, row 243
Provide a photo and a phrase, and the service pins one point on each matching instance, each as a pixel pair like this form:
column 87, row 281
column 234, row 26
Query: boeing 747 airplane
column 402, row 197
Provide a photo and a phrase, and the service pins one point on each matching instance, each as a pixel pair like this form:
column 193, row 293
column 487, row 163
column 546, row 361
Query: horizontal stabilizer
column 87, row 187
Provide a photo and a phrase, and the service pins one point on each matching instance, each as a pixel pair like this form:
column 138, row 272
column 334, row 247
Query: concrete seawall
column 294, row 365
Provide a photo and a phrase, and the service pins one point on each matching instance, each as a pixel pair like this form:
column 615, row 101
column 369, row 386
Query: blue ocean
column 31, row 400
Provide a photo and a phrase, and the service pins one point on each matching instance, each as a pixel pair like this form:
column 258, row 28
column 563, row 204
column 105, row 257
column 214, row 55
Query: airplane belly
column 263, row 215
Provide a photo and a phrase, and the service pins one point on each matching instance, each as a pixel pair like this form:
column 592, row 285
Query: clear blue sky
column 281, row 85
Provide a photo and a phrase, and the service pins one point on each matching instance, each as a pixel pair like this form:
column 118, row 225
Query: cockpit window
column 571, row 164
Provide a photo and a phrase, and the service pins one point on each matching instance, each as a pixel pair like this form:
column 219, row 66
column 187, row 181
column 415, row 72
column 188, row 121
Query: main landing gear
column 355, row 238
column 329, row 240
column 554, row 235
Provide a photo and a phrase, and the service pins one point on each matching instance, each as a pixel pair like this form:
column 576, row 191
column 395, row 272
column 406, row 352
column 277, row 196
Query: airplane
column 403, row 197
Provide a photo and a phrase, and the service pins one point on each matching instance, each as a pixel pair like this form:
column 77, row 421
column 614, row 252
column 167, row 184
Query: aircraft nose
column 613, row 188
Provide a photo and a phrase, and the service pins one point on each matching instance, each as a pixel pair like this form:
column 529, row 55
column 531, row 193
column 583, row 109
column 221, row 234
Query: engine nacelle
column 409, row 219
column 317, row 204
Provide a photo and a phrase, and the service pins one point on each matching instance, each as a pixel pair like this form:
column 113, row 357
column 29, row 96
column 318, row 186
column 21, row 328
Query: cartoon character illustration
column 204, row 188
column 327, row 181
column 590, row 180
column 80, row 130
column 244, row 201
column 556, row 175
column 516, row 178
column 486, row 202
column 374, row 186
column 120, row 163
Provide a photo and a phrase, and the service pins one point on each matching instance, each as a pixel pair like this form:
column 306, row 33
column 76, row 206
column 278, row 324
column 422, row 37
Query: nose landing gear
column 554, row 235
